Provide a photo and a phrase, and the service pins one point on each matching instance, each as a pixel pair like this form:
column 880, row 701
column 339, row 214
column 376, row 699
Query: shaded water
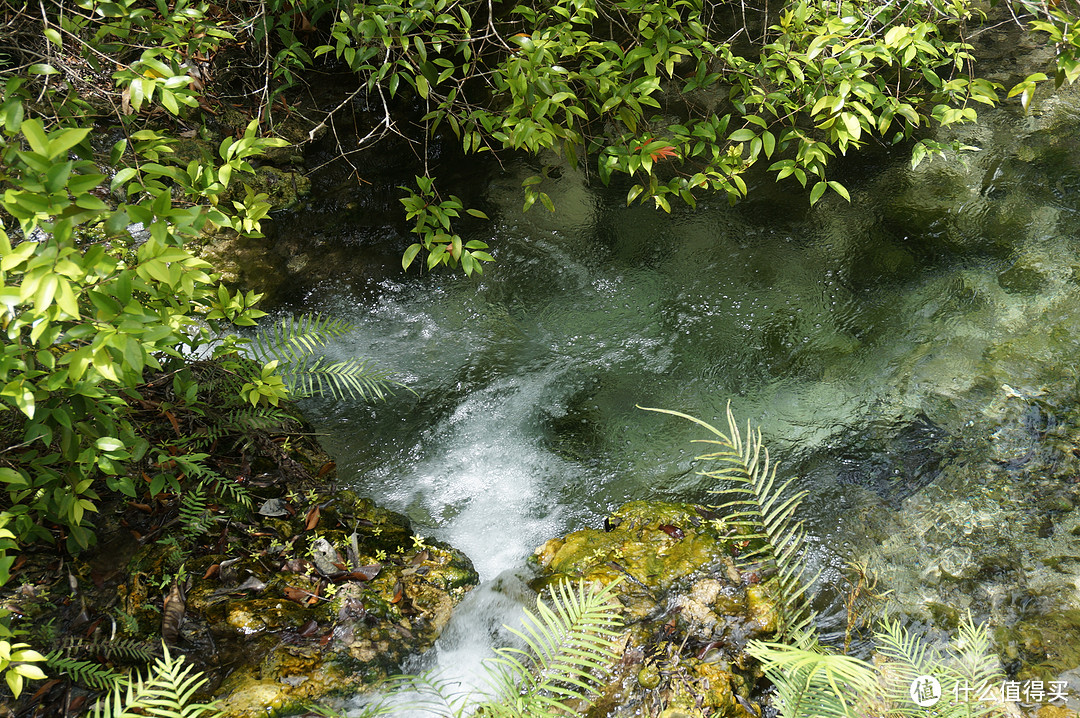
column 910, row 356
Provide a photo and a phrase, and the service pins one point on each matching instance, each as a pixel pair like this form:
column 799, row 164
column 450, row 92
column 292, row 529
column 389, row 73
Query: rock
column 682, row 598
column 650, row 547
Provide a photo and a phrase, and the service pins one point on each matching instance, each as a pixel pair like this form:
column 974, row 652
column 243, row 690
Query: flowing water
column 910, row 356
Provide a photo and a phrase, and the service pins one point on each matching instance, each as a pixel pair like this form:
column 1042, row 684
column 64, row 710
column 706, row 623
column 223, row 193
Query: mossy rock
column 650, row 545
column 683, row 600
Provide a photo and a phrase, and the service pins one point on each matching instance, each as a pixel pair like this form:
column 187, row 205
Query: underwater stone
column 761, row 607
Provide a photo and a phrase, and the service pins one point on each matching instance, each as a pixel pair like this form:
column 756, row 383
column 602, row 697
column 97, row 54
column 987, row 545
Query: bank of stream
column 910, row 356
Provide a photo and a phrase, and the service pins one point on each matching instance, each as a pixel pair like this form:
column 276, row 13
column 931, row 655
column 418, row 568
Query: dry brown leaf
column 312, row 519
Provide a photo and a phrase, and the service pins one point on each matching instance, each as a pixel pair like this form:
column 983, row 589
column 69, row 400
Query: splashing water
column 871, row 342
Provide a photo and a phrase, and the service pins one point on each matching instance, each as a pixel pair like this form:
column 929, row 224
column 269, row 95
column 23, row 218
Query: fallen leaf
column 312, row 519
column 295, row 565
column 273, row 508
column 45, row 688
column 365, row 573
column 298, row 595
column 173, row 613
column 326, row 468
column 673, row 531
column 212, row 571
column 173, row 421
column 398, row 590
column 252, row 584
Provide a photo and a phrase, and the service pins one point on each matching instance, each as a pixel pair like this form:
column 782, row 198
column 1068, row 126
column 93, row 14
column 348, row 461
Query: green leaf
column 817, row 191
column 768, row 142
column 742, row 135
column 410, row 255
column 34, row 133
column 839, row 189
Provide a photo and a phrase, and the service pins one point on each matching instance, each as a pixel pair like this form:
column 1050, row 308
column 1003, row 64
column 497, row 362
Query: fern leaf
column 195, row 518
column 353, row 377
column 294, row 338
column 566, row 646
column 88, row 673
column 812, row 682
column 765, row 509
column 166, row 692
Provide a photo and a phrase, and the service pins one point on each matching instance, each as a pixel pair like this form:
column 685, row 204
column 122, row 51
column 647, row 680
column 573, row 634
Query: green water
column 909, row 355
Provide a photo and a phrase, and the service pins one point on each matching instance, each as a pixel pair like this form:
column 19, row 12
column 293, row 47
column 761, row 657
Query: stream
column 910, row 356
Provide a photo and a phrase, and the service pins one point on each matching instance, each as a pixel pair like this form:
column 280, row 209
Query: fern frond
column 261, row 418
column 166, row 692
column 424, row 693
column 195, row 518
column 568, row 647
column 90, row 674
column 357, row 378
column 812, row 682
column 124, row 649
column 766, row 511
column 974, row 658
column 192, row 465
column 294, row 338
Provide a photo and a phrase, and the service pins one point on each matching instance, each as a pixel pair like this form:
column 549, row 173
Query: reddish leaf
column 298, row 595
column 398, row 590
column 212, row 571
column 45, row 688
column 673, row 531
column 326, row 469
column 663, row 153
column 312, row 519
column 172, row 420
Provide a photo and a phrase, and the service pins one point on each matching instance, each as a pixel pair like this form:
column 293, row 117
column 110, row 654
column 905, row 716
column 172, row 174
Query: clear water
column 893, row 350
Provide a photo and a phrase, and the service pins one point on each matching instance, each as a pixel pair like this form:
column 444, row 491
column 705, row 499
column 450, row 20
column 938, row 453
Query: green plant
column 85, row 319
column 764, row 510
column 660, row 93
column 568, row 647
column 88, row 673
column 166, row 692
column 812, row 681
column 293, row 370
column 433, row 218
